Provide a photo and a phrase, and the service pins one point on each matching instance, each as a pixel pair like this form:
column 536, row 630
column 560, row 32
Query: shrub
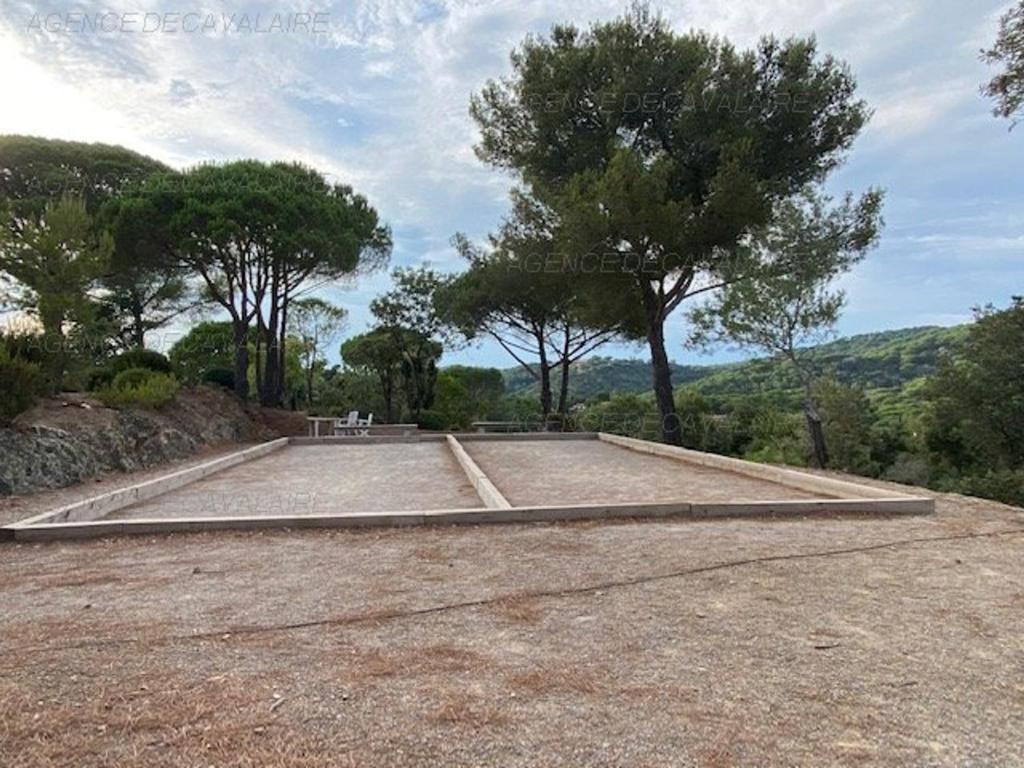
column 1005, row 485
column 21, row 384
column 132, row 377
column 99, row 378
column 222, row 377
column 430, row 419
column 140, row 388
column 141, row 358
column 23, row 345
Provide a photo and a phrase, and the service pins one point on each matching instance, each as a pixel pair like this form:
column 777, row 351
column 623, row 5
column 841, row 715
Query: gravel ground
column 594, row 472
column 816, row 642
column 14, row 508
column 323, row 479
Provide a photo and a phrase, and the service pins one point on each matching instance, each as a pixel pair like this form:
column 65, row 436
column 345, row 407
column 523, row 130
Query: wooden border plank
column 485, row 489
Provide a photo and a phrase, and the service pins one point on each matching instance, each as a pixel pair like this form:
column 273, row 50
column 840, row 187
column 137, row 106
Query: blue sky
column 378, row 97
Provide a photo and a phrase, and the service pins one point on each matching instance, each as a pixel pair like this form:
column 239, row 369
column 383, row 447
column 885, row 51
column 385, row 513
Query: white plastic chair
column 366, row 423
column 344, row 426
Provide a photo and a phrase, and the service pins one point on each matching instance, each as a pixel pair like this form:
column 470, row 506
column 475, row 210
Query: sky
column 375, row 94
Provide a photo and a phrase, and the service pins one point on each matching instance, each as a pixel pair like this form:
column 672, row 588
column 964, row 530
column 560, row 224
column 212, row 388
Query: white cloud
column 381, row 100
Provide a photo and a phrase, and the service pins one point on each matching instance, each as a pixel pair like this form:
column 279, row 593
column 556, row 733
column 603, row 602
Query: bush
column 222, row 377
column 430, row 419
column 1005, row 485
column 21, row 384
column 141, row 358
column 23, row 345
column 100, row 378
column 140, row 388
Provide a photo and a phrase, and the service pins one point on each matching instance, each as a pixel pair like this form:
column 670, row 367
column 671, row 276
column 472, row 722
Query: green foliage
column 35, row 171
column 890, row 366
column 1007, row 87
column 138, row 299
column 22, row 383
column 777, row 437
column 140, row 388
column 523, row 293
column 24, row 344
column 257, row 234
column 221, row 377
column 141, row 358
column 623, row 413
column 206, row 346
column 101, row 377
column 316, row 324
column 404, row 362
column 976, row 421
column 347, row 390
column 665, row 191
column 464, row 394
column 782, row 299
column 54, row 262
column 411, row 303
column 1005, row 485
column 437, row 420
column 848, row 420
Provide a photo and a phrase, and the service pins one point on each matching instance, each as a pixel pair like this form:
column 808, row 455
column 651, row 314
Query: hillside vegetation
column 888, row 365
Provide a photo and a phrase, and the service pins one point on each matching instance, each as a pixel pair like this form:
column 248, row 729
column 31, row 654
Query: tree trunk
column 54, row 343
column 671, row 429
column 138, row 328
column 545, row 379
column 271, row 370
column 281, row 388
column 271, row 389
column 310, row 367
column 819, row 447
column 563, row 388
column 241, row 360
column 387, row 383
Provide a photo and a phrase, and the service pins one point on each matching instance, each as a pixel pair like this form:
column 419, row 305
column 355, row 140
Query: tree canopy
column 664, row 149
column 257, row 235
column 35, row 171
column 788, row 302
column 1007, row 87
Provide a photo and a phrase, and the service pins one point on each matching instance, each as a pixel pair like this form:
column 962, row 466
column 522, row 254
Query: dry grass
column 151, row 720
column 664, row 643
column 550, row 680
column 522, row 610
column 410, row 662
column 463, row 709
column 432, row 554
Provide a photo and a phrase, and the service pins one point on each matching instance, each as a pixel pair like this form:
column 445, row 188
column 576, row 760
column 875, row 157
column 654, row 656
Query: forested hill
column 873, row 361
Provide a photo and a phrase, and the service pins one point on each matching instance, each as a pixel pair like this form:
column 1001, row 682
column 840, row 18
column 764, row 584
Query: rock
column 52, row 447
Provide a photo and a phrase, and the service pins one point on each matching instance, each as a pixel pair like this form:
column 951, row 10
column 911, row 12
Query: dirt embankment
column 72, row 438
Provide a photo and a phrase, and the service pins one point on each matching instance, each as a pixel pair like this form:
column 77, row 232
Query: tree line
column 654, row 173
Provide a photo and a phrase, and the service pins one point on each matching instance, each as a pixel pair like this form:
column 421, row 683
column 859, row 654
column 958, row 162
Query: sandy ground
column 896, row 642
column 308, row 480
column 594, row 472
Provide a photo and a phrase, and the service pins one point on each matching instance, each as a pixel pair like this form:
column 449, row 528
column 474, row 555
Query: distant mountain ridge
column 885, row 360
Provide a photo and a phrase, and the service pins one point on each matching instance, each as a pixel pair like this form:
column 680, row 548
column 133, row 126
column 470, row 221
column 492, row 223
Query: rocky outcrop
column 66, row 440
